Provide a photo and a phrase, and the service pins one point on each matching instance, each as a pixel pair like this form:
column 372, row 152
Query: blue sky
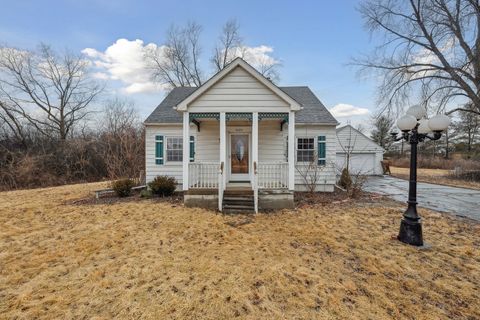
column 314, row 40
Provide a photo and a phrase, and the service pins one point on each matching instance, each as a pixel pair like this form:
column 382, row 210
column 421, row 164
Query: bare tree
column 382, row 125
column 51, row 92
column 361, row 127
column 430, row 51
column 349, row 147
column 176, row 63
column 119, row 115
column 311, row 173
column 229, row 45
column 122, row 137
column 467, row 128
column 11, row 125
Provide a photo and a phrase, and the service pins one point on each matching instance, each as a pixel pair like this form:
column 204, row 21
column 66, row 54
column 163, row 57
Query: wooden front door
column 239, row 157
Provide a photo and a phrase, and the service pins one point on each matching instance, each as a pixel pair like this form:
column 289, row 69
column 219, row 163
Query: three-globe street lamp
column 415, row 128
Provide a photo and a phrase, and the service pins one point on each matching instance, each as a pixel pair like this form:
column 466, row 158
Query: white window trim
column 314, row 148
column 165, row 150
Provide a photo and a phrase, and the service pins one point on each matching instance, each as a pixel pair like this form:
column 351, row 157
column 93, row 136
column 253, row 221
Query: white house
column 363, row 153
column 240, row 142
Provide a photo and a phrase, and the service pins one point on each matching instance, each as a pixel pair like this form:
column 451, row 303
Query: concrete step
column 238, row 211
column 232, row 208
column 237, row 193
column 245, row 198
column 238, row 206
column 240, row 201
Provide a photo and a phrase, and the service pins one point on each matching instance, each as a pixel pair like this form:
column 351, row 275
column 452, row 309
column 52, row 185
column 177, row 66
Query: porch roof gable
column 238, row 62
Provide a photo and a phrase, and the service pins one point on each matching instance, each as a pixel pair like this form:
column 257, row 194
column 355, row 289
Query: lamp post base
column 411, row 232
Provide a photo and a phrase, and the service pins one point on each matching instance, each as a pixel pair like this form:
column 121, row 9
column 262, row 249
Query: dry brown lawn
column 436, row 176
column 148, row 259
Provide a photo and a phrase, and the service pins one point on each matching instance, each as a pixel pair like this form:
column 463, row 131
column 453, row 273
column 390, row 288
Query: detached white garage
column 364, row 155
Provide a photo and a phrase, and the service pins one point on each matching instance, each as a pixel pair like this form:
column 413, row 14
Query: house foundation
column 267, row 199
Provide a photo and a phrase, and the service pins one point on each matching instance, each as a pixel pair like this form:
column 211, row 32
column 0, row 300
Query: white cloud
column 256, row 56
column 124, row 61
column 100, row 75
column 259, row 57
column 347, row 110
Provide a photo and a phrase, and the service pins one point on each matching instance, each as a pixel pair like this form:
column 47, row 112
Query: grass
column 152, row 259
column 436, row 176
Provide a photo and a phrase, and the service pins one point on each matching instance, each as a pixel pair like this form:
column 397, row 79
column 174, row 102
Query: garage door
column 363, row 163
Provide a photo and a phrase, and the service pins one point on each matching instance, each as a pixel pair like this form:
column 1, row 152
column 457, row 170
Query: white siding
column 172, row 169
column 327, row 176
column 271, row 141
column 238, row 89
column 207, row 147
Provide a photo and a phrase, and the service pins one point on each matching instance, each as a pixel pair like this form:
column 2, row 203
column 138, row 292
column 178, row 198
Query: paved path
column 458, row 201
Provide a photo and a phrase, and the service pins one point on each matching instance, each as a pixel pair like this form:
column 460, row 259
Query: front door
column 239, row 157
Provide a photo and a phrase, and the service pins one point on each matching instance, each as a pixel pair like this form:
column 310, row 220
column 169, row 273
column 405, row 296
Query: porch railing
column 273, row 175
column 203, row 175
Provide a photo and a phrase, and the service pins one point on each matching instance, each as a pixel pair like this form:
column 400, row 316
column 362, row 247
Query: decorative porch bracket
column 274, row 115
column 206, row 115
column 197, row 123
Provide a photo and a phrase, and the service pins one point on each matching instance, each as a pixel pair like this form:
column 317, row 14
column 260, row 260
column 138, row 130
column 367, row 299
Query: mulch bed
column 114, row 199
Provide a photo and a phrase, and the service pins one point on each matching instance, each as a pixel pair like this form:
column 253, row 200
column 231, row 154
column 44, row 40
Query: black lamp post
column 414, row 130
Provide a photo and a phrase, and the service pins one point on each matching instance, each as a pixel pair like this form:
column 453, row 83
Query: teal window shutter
column 192, row 148
column 158, row 149
column 321, row 150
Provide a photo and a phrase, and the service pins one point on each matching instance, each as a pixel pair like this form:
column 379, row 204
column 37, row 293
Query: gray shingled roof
column 313, row 110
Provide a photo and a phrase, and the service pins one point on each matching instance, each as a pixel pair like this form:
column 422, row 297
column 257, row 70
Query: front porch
column 239, row 197
column 254, row 159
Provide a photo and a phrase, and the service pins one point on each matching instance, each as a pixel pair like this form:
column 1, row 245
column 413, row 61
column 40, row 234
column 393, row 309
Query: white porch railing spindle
column 272, row 175
column 203, row 175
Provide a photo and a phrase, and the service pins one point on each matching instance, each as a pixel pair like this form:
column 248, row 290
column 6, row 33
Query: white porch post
column 255, row 158
column 186, row 148
column 255, row 137
column 223, row 145
column 291, row 151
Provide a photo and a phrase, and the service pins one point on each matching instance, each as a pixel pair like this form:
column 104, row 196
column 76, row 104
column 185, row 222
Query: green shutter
column 321, row 150
column 158, row 149
column 192, row 148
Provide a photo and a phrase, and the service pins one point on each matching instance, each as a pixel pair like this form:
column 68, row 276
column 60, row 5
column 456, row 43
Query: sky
column 313, row 40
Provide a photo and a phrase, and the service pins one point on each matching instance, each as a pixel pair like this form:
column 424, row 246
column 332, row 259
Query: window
column 174, row 149
column 305, row 149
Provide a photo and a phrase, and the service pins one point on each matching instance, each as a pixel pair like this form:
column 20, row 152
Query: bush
column 163, row 186
column 345, row 179
column 436, row 163
column 473, row 176
column 123, row 187
column 145, row 193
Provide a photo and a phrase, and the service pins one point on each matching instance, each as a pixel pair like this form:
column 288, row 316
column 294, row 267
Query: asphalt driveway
column 458, row 201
